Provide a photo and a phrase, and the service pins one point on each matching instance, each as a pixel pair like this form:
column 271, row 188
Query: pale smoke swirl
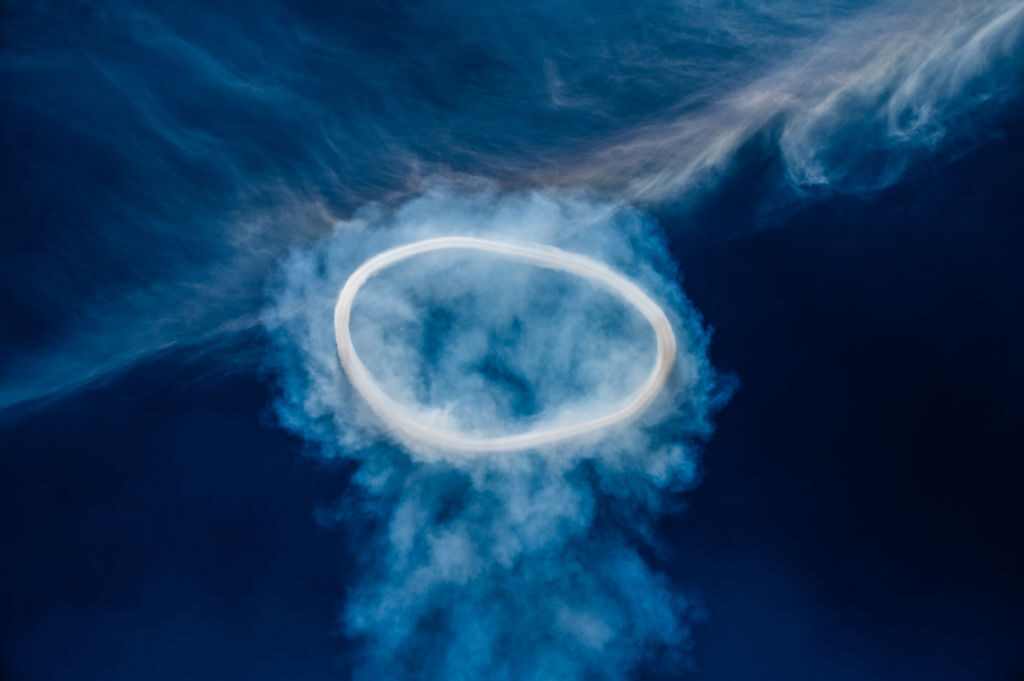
column 514, row 565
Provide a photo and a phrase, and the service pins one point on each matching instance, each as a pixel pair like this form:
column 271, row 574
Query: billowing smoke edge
column 524, row 565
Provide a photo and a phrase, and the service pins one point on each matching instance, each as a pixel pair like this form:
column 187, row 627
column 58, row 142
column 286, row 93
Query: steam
column 505, row 565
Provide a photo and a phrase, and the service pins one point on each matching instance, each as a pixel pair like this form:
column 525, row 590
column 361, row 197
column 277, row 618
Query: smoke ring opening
column 397, row 417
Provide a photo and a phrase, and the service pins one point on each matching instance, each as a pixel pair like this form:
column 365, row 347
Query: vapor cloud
column 504, row 565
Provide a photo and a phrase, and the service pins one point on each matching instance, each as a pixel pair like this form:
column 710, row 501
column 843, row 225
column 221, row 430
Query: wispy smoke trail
column 850, row 110
column 511, row 565
column 202, row 147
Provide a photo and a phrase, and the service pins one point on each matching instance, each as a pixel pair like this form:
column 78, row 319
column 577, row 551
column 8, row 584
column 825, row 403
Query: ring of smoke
column 398, row 417
column 599, row 359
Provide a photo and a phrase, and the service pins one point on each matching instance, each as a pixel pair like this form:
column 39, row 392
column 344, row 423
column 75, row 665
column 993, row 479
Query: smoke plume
column 507, row 565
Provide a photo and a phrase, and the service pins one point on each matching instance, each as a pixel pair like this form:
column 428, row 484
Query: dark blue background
column 860, row 515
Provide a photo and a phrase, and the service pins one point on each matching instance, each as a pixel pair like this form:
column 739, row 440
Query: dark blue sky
column 859, row 515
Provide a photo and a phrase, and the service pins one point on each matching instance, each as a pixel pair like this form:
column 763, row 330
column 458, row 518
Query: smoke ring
column 397, row 417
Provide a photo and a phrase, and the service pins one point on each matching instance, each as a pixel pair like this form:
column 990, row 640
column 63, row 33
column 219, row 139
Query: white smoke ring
column 399, row 419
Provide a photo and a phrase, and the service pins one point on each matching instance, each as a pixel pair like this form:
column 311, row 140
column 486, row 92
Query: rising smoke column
column 516, row 565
